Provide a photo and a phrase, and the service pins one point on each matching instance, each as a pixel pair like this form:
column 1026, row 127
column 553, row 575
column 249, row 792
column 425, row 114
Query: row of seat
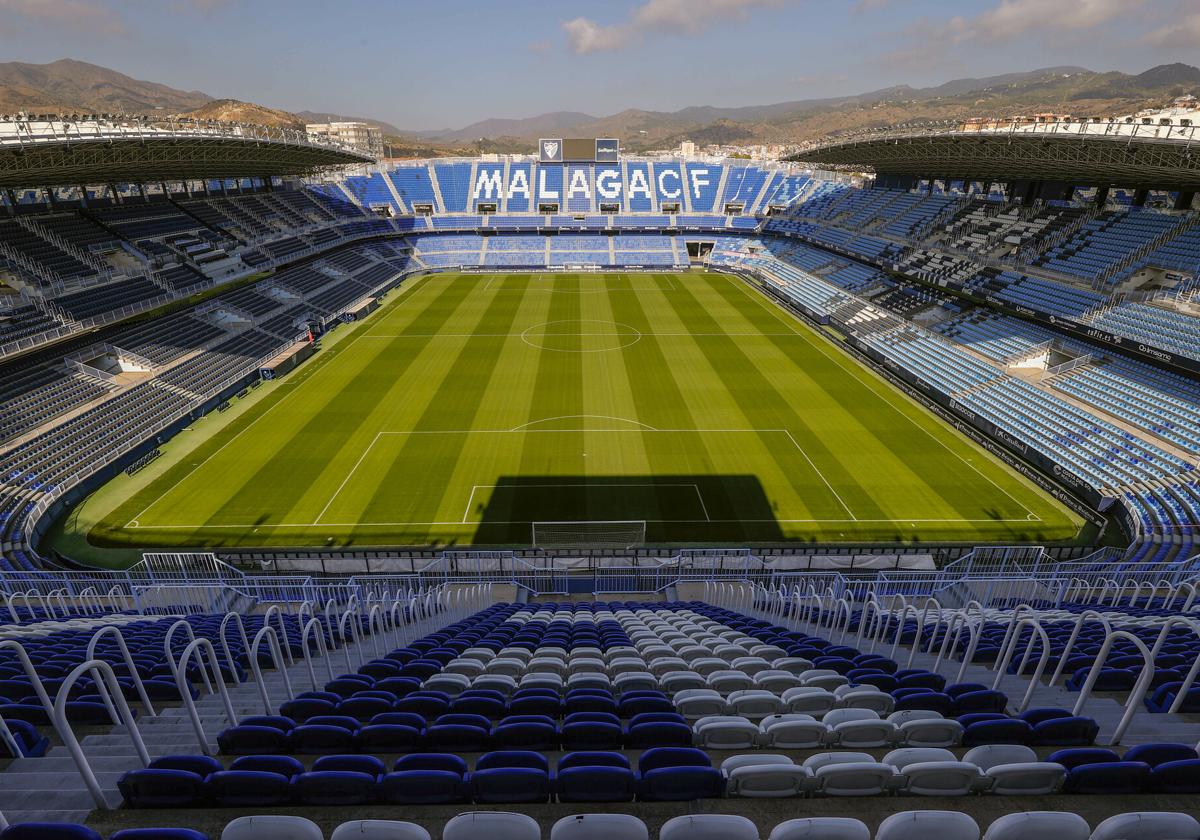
column 493, row 825
column 663, row 774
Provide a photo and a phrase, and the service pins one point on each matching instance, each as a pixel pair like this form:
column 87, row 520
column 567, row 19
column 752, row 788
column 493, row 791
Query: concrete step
column 56, row 781
column 58, row 760
column 77, row 817
column 73, row 797
column 93, row 742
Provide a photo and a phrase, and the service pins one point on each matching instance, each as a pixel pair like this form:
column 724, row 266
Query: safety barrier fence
column 328, row 632
column 989, row 575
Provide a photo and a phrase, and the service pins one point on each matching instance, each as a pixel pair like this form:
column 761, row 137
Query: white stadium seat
column 272, row 828
column 775, row 680
column 754, row 703
column 793, row 664
column 770, row 781
column 923, row 825
column 1148, row 825
column 728, row 681
column 809, row 700
column 990, row 755
column 379, row 830
column 1033, row 778
column 821, row 828
column 858, row 697
column 599, row 827
column 858, row 728
column 792, row 732
column 1039, row 825
column 695, row 703
column 863, row 778
column 725, row 732
column 492, row 825
column 708, row 827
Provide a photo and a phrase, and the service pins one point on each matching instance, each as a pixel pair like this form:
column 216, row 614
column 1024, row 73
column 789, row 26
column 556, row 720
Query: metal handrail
column 1002, row 662
column 109, row 687
column 268, row 633
column 314, row 625
column 130, row 665
column 203, row 650
column 1139, row 689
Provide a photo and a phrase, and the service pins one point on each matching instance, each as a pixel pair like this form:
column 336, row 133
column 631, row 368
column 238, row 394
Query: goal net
column 589, row 534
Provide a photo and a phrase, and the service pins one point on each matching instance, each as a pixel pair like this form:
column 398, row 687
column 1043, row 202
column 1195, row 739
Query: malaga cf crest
column 551, row 151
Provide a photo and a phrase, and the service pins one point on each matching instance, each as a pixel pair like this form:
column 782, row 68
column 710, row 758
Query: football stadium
column 594, row 490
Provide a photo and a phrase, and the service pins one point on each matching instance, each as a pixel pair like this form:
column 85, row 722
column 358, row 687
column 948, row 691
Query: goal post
column 589, row 534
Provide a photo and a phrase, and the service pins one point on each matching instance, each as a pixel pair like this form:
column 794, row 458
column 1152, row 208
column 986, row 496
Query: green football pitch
column 471, row 406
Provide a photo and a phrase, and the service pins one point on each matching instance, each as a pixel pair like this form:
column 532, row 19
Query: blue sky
column 425, row 64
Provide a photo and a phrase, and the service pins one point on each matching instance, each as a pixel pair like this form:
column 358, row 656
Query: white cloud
column 83, row 15
column 1184, row 33
column 585, row 35
column 1014, row 18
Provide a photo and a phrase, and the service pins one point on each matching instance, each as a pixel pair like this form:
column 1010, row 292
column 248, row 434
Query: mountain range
column 72, row 86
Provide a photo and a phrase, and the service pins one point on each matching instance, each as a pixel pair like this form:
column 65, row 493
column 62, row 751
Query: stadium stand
column 452, row 697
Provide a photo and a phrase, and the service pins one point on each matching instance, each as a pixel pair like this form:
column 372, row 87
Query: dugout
column 288, row 360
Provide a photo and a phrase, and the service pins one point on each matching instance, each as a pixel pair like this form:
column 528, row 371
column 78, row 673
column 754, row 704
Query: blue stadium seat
column 1066, row 732
column 678, row 774
column 1010, row 731
column 595, row 777
column 426, row 779
column 339, row 780
column 252, row 740
column 173, row 781
column 387, row 738
column 509, row 777
column 255, row 782
column 318, row 739
column 1112, row 778
column 48, row 831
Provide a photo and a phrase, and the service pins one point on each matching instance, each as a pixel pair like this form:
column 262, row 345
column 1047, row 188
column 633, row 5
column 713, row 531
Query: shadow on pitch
column 675, row 508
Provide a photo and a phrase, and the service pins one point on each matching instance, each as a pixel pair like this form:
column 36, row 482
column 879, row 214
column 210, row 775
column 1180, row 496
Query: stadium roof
column 1111, row 153
column 59, row 151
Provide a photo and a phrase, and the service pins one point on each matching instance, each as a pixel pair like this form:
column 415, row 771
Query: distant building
column 358, row 134
column 687, row 149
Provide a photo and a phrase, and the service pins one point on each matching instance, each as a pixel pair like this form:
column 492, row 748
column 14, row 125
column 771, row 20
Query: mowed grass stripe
column 303, row 431
column 850, row 452
column 608, row 392
column 406, row 367
column 451, row 391
column 505, row 403
column 446, row 358
column 682, row 391
column 743, row 378
column 966, row 483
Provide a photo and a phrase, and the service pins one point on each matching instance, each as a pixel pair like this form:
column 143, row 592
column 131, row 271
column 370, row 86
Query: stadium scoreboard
column 579, row 150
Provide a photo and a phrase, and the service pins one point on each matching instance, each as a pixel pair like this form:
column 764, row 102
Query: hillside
column 1073, row 90
column 69, row 85
column 76, row 85
column 233, row 110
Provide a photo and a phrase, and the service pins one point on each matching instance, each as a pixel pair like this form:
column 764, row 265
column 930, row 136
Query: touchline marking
column 817, row 470
column 779, row 316
column 528, row 522
column 587, row 335
column 398, row 301
column 353, row 470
